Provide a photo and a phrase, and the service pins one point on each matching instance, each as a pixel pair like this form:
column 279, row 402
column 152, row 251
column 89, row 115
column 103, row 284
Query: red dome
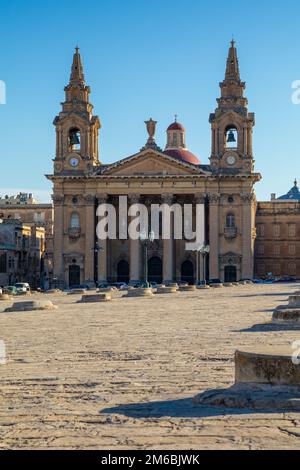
column 183, row 154
column 176, row 126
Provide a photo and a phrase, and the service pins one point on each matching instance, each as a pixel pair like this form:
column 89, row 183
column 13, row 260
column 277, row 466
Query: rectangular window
column 3, row 263
column 292, row 250
column 276, row 230
column 260, row 230
column 292, row 230
column 277, row 250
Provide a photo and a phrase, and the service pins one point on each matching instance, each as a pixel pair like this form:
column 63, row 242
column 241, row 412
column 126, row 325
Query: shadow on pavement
column 184, row 408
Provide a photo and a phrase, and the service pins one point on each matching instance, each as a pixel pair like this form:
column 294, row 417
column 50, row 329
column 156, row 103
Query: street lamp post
column 97, row 249
column 146, row 241
column 204, row 252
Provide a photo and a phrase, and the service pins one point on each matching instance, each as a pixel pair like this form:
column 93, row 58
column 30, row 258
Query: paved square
column 121, row 375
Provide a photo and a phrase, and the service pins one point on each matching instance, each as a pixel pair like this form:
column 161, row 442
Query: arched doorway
column 187, row 272
column 123, row 271
column 74, row 275
column 155, row 270
column 230, row 274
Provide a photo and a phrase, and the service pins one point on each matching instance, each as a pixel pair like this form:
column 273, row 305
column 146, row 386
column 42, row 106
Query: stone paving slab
column 123, row 375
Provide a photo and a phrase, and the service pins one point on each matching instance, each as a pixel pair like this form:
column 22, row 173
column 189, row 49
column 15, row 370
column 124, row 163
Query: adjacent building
column 277, row 250
column 22, row 249
column 27, row 211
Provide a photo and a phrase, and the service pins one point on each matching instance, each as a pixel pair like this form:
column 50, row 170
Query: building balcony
column 74, row 233
column 230, row 233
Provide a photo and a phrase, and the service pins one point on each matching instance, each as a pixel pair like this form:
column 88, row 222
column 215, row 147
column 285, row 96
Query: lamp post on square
column 146, row 241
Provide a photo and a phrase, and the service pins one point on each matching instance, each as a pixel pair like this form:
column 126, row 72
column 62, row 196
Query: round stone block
column 141, row 292
column 273, row 366
column 236, row 284
column 217, row 286
column 104, row 297
column 206, row 287
column 167, row 290
column 31, row 306
column 5, row 297
column 77, row 292
column 187, row 288
column 228, row 284
column 286, row 316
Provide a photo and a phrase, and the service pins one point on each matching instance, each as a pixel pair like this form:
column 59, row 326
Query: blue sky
column 147, row 59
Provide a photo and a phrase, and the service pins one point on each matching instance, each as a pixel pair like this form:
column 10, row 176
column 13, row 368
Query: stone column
column 58, row 236
column 103, row 247
column 168, row 247
column 214, row 229
column 200, row 199
column 135, row 248
column 89, row 263
column 248, row 240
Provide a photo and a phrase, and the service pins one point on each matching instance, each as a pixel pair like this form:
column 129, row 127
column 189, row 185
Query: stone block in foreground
column 31, row 306
column 267, row 379
column 287, row 316
column 272, row 366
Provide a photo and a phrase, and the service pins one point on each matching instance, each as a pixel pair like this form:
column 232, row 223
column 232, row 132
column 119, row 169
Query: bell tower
column 76, row 128
column 232, row 124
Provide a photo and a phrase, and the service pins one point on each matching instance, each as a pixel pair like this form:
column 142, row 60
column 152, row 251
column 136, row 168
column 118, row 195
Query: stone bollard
column 228, row 284
column 5, row 297
column 94, row 298
column 187, row 288
column 31, row 306
column 167, row 290
column 141, row 292
column 77, row 292
column 217, row 286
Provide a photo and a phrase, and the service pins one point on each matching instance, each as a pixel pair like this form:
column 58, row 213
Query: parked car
column 102, row 285
column 286, row 279
column 183, row 284
column 22, row 287
column 118, row 285
column 10, row 290
column 154, row 285
column 124, row 287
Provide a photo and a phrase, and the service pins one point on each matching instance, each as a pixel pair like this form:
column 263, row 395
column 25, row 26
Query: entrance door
column 74, row 275
column 230, row 274
column 155, row 270
column 123, row 271
column 187, row 272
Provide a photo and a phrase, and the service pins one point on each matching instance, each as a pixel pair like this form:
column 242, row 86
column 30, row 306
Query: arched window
column 74, row 139
column 230, row 221
column 231, row 137
column 75, row 220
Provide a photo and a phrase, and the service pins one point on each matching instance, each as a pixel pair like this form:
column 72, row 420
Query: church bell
column 74, row 139
column 231, row 138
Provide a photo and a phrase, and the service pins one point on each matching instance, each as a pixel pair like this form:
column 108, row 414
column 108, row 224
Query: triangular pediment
column 151, row 163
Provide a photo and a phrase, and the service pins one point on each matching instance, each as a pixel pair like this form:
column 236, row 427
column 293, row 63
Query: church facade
column 173, row 175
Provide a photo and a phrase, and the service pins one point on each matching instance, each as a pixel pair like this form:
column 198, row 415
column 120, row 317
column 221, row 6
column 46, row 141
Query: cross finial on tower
column 232, row 42
column 176, row 117
column 296, row 182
